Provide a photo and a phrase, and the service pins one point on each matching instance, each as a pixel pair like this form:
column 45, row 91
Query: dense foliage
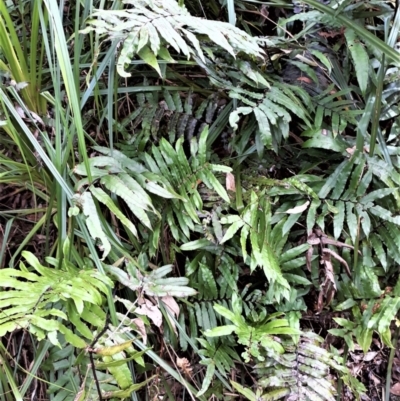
column 198, row 199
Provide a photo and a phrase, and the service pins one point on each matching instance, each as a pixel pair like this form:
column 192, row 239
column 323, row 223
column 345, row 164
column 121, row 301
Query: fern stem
column 390, row 364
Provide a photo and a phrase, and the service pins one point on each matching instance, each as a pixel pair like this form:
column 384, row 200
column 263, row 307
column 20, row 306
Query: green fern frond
column 29, row 302
column 134, row 183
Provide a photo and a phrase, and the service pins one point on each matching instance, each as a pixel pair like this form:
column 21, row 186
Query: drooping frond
column 147, row 28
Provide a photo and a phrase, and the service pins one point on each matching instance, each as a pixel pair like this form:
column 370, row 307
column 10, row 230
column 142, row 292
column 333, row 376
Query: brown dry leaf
column 318, row 237
column 374, row 378
column 309, row 255
column 328, row 286
column 313, row 239
column 331, row 34
column 327, row 262
column 173, row 308
column 36, row 118
column 171, row 304
column 141, row 328
column 369, row 356
column 80, row 396
column 184, row 365
column 329, row 295
column 351, row 151
column 230, row 182
column 305, row 79
column 356, row 357
column 151, row 311
column 356, row 369
column 320, row 303
column 20, row 111
column 395, row 389
column 339, row 259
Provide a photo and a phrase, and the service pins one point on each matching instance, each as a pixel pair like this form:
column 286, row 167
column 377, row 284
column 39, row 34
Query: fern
column 153, row 284
column 185, row 175
column 145, row 35
column 164, row 169
column 74, row 376
column 359, row 206
column 46, row 298
column 285, row 368
column 210, row 289
column 171, row 118
column 375, row 316
column 147, row 28
column 272, row 109
column 301, row 372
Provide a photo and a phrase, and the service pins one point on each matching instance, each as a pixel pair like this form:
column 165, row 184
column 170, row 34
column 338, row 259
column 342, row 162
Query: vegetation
column 199, row 200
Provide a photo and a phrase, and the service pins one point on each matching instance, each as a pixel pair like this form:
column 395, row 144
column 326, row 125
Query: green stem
column 390, row 363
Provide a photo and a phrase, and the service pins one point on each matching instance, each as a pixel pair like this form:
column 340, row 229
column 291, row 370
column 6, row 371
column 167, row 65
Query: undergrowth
column 181, row 195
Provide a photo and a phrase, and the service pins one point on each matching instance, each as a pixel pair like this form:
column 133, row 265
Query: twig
column 95, row 376
column 92, row 359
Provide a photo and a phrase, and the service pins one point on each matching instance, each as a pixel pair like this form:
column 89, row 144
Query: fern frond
column 303, row 370
column 29, row 302
column 153, row 284
column 147, row 28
